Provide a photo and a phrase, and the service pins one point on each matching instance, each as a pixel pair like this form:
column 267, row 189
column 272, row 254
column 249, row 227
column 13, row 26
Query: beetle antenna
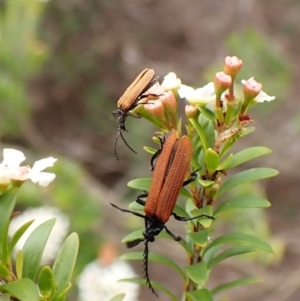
column 145, row 265
column 126, row 143
column 115, row 146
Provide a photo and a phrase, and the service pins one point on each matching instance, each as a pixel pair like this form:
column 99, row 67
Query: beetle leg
column 182, row 218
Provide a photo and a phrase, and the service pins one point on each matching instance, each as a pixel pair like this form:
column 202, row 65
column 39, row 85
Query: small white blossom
column 171, row 81
column 10, row 167
column 100, row 282
column 40, row 215
column 200, row 96
column 262, row 96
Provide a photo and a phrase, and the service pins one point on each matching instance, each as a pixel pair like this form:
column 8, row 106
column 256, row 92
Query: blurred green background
column 65, row 63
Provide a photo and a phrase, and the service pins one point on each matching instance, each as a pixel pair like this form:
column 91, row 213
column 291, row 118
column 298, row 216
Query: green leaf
column 133, row 236
column 64, row 264
column 46, row 282
column 202, row 294
column 206, row 183
column 208, row 256
column 243, row 202
column 247, row 155
column 118, row 297
column 207, row 113
column 23, row 290
column 253, row 174
column 154, row 257
column 200, row 131
column 204, row 221
column 241, row 238
column 4, row 272
column 7, row 204
column 18, row 234
column 234, row 284
column 225, row 163
column 212, row 160
column 200, row 238
column 155, row 285
column 197, row 272
column 140, row 184
column 19, row 264
column 34, row 247
column 180, row 211
column 234, row 251
column 150, row 150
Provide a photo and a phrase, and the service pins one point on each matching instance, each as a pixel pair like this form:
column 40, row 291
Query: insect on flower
column 129, row 100
column 168, row 178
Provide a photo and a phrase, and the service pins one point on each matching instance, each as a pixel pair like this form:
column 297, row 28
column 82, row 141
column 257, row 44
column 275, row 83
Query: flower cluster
column 11, row 173
column 217, row 96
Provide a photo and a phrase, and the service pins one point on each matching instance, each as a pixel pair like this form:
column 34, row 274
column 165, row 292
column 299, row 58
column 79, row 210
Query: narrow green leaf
column 4, row 272
column 234, row 284
column 46, row 282
column 135, row 206
column 202, row 294
column 197, row 272
column 200, row 131
column 137, row 234
column 155, row 285
column 34, row 247
column 243, row 239
column 200, row 238
column 140, row 184
column 234, row 251
column 212, row 160
column 243, row 202
column 246, row 176
column 204, row 221
column 247, row 155
column 7, row 204
column 19, row 264
column 206, row 183
column 154, row 257
column 18, row 235
column 64, row 263
column 150, row 150
column 118, row 297
column 211, row 252
column 23, row 290
column 207, row 113
column 225, row 163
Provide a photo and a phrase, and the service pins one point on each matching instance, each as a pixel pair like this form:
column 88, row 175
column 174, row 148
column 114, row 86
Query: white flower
column 100, row 282
column 171, row 81
column 200, row 96
column 40, row 215
column 262, row 97
column 10, row 167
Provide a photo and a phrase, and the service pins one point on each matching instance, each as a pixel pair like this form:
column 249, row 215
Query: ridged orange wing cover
column 174, row 180
column 138, row 86
column 159, row 173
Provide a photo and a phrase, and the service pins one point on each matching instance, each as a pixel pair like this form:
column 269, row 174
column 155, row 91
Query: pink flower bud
column 251, row 89
column 155, row 109
column 232, row 65
column 168, row 99
column 222, row 82
column 191, row 111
